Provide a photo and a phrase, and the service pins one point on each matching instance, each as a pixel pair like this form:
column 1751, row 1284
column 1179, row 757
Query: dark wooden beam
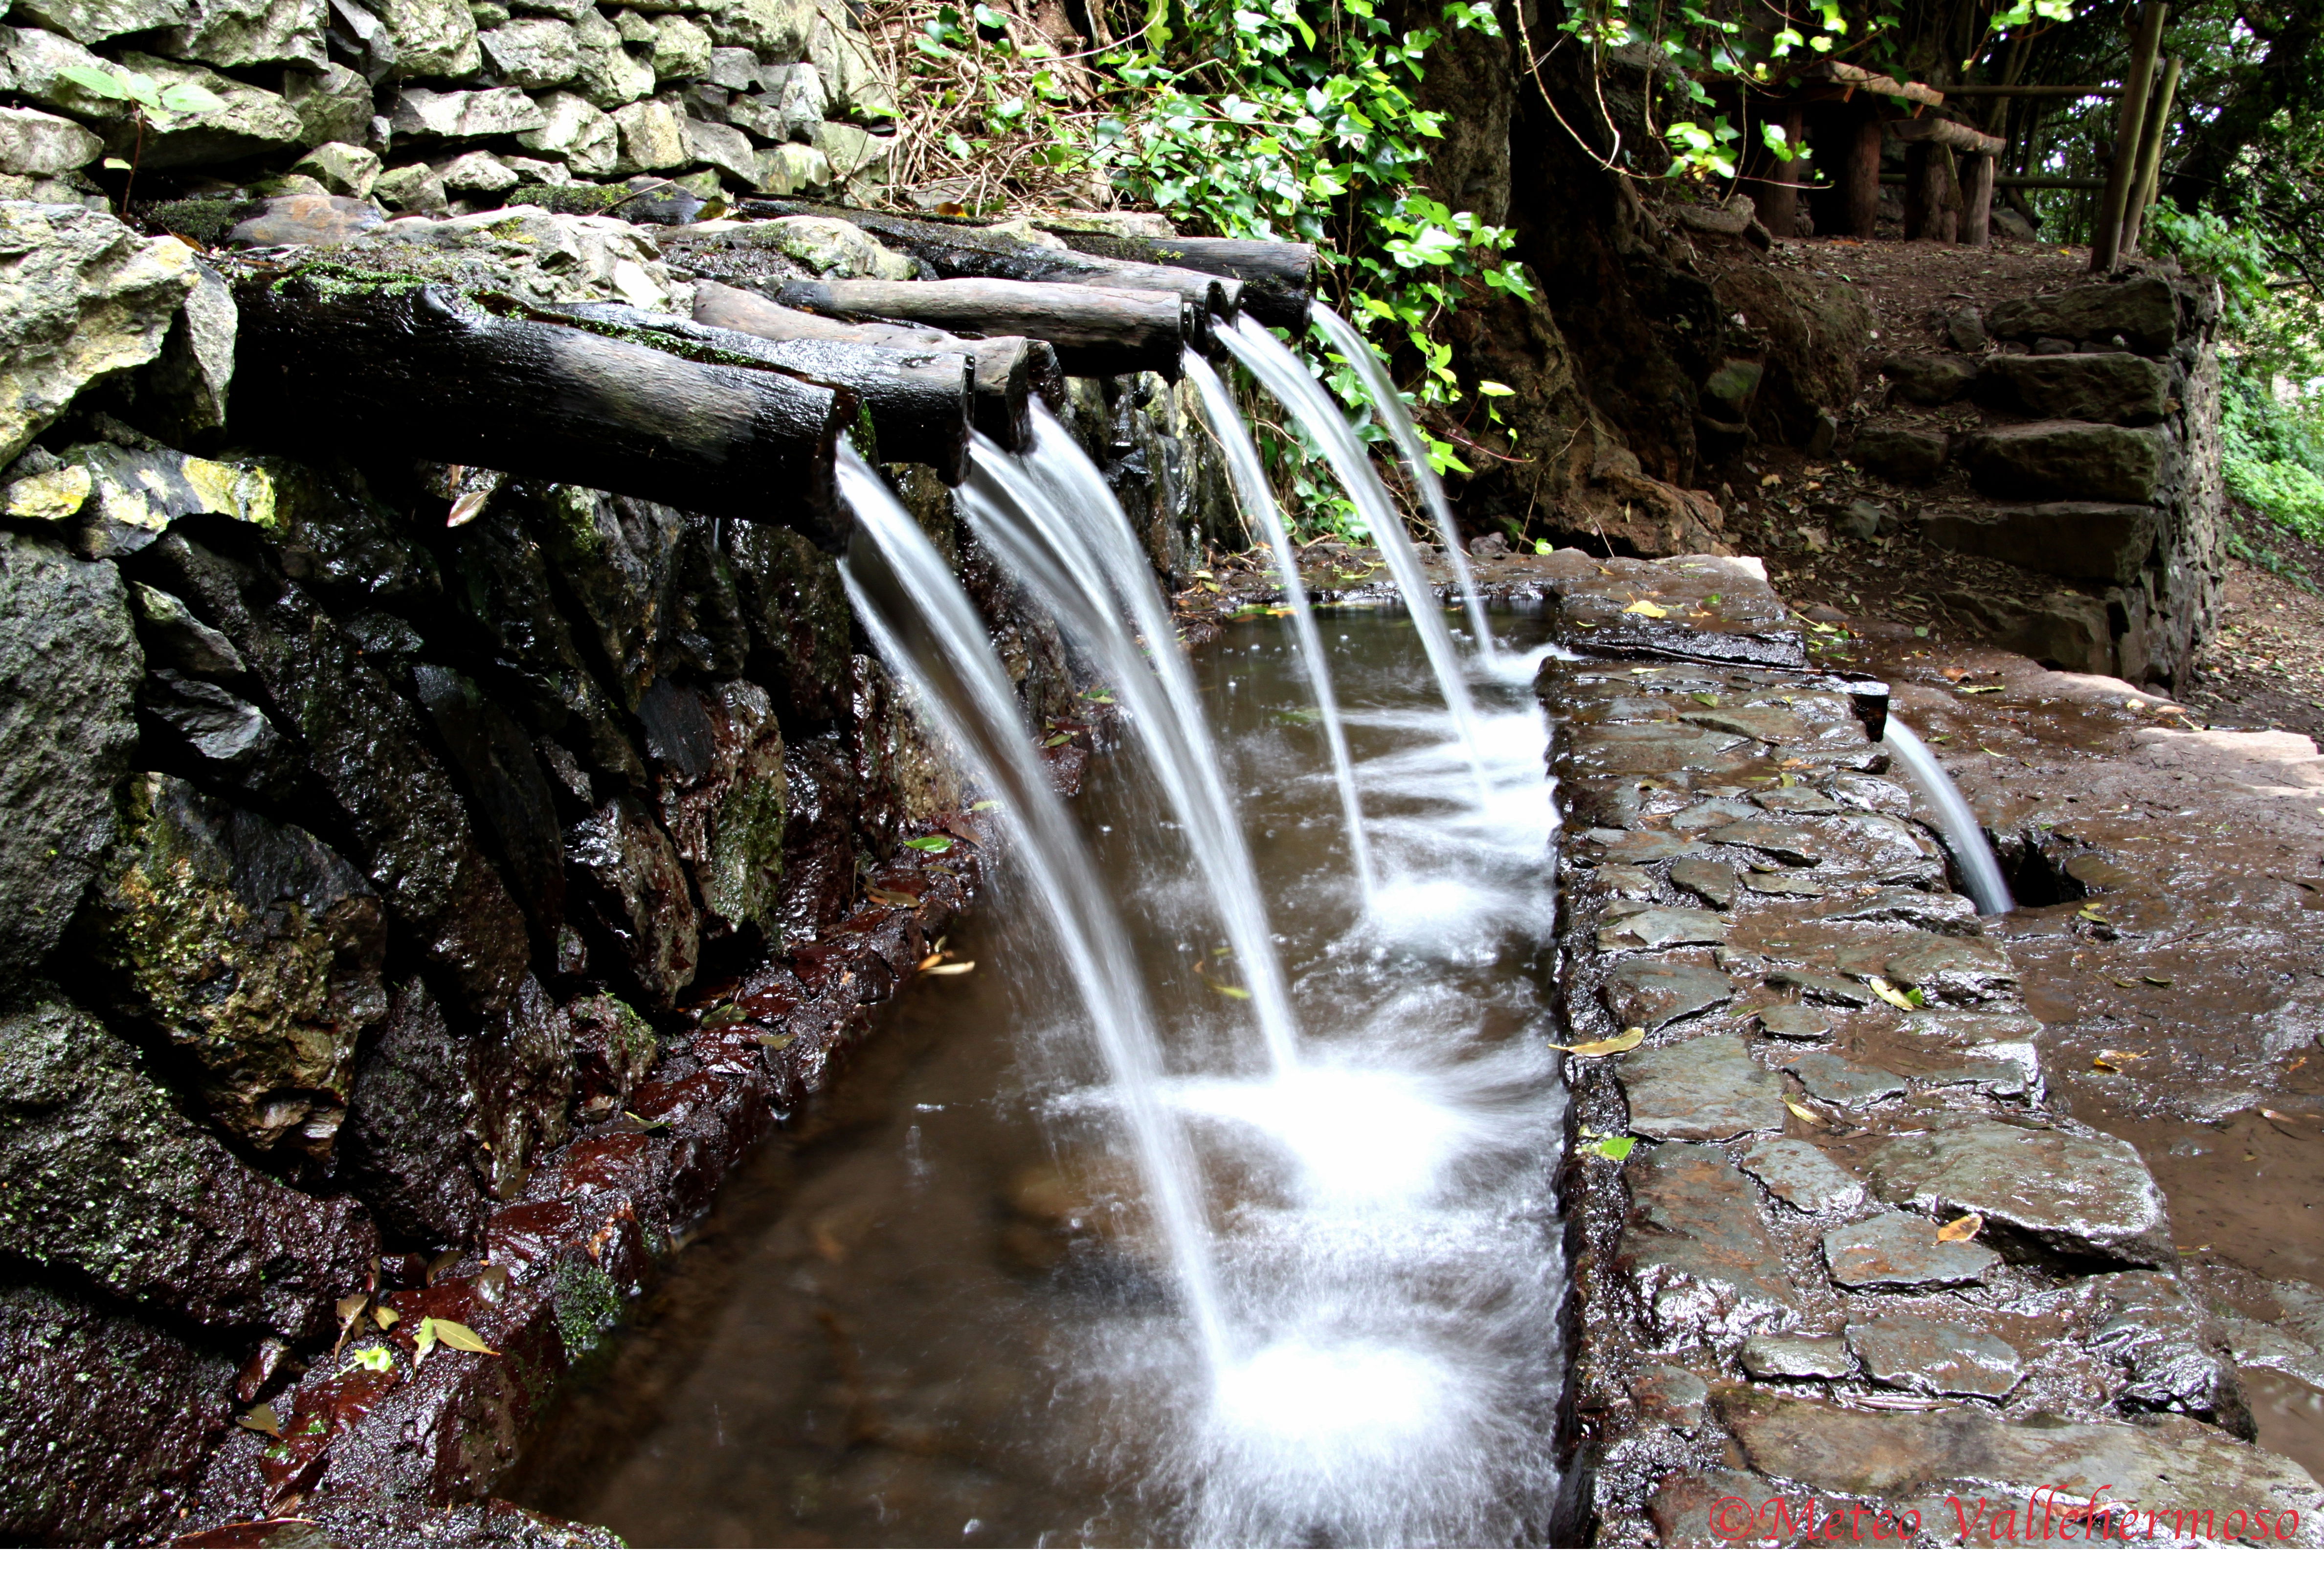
column 1095, row 332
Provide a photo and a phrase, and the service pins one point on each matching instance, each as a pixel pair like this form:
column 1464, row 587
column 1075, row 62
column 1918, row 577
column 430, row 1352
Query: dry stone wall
column 2076, row 434
column 423, row 885
column 1841, row 1274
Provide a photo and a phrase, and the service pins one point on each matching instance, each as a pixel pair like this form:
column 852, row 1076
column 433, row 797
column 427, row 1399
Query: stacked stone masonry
column 2075, row 434
column 1780, row 1294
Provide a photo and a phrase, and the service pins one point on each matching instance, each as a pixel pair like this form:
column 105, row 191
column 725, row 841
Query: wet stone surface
column 1985, row 1292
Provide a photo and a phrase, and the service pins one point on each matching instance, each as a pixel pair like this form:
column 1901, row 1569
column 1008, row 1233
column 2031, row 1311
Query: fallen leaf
column 954, row 969
column 377, row 1359
column 986, row 805
column 1645, row 608
column 2103, row 1067
column 724, row 1015
column 386, row 1317
column 1889, row 993
column 1606, row 1047
column 1616, row 1147
column 442, row 1263
column 1961, row 1230
column 351, row 1305
column 879, row 897
column 1953, row 673
column 2158, row 981
column 451, row 1334
column 929, row 842
column 1996, row 687
column 466, row 510
column 1228, row 990
column 1810, row 1114
column 262, row 1420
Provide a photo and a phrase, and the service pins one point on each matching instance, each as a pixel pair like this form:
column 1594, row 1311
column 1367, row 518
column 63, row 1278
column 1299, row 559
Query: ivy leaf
column 190, row 98
column 377, row 1359
column 929, row 843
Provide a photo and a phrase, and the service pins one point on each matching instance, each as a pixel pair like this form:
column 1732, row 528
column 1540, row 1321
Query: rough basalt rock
column 252, row 32
column 253, row 948
column 1702, row 1257
column 495, row 761
column 1705, row 1087
column 2143, row 312
column 103, row 1176
column 105, row 1421
column 1931, row 379
column 2067, row 460
column 2108, row 541
column 69, row 664
column 633, row 892
column 83, row 297
column 412, row 1142
column 2075, row 1194
column 362, row 740
column 723, row 803
column 2123, row 390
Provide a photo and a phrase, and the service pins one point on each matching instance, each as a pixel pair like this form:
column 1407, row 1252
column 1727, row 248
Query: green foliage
column 139, row 91
column 2274, row 455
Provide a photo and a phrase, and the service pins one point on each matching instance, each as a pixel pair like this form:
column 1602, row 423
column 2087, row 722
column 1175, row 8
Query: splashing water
column 906, row 595
column 1056, row 525
column 1260, row 513
column 1389, row 407
column 1279, row 371
column 1987, row 887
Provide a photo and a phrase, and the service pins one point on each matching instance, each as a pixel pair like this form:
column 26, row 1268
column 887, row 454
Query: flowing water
column 1265, row 520
column 1056, row 526
column 1397, row 420
column 938, row 1308
column 1987, row 889
column 1279, row 370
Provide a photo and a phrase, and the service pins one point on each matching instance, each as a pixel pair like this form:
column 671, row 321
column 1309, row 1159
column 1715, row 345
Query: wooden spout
column 1096, row 331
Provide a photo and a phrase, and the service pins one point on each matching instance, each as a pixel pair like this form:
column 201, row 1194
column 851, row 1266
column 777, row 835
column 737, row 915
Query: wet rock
column 1797, row 1357
column 1803, row 1177
column 177, row 639
column 1650, row 747
column 496, row 762
column 1653, row 993
column 2067, row 460
column 2144, row 312
column 1854, row 845
column 633, row 889
column 2122, row 389
column 1936, row 1358
column 1713, row 813
column 1780, row 884
column 2074, row 1194
column 33, row 143
column 2178, row 1467
column 1930, row 378
column 823, row 794
column 103, row 1176
column 1960, row 970
column 1661, row 927
column 1995, row 1050
column 136, row 493
column 1670, row 1394
column 1899, row 1250
column 69, row 664
column 308, row 221
column 1715, row 1508
column 1796, row 799
column 105, row 1422
column 620, row 560
column 181, row 395
column 1795, row 1020
column 1905, row 455
column 524, row 1085
column 2077, row 539
column 1702, row 1260
column 613, row 1050
column 84, row 297
column 1715, row 882
column 1931, row 910
column 1830, row 1078
column 219, row 738
column 363, row 745
column 1824, row 987
column 1632, row 846
column 249, row 122
column 411, row 1142
column 1705, row 1087
column 2177, row 1361
column 252, row 947
column 726, row 814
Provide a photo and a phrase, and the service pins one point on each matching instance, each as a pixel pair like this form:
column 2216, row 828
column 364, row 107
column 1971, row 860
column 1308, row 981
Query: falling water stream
column 1279, row 370
column 1387, row 403
column 1265, row 518
column 1987, row 889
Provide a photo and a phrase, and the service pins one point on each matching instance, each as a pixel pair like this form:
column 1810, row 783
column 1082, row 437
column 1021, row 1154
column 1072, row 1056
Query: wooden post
column 2150, row 157
column 1779, row 194
column 1944, row 196
column 2106, row 231
column 1864, row 177
column 1977, row 201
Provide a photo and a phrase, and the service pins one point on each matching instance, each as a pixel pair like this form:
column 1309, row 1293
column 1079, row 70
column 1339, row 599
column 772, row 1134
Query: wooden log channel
column 331, row 360
column 1949, row 134
column 1279, row 280
column 1007, row 370
column 919, row 400
column 1096, row 331
column 955, row 250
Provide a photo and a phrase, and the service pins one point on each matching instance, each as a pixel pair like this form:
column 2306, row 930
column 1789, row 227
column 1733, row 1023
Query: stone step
column 2067, row 460
column 2105, row 540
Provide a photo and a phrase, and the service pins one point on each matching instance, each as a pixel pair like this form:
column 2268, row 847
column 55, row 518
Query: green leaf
column 1494, row 389
column 929, row 842
column 377, row 1359
column 453, row 1334
column 103, row 84
column 190, row 98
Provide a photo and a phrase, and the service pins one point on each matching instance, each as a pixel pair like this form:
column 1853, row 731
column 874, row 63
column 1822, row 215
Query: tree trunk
column 1863, row 178
column 328, row 364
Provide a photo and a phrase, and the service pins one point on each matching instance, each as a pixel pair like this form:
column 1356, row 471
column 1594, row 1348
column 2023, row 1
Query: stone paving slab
column 1848, row 1180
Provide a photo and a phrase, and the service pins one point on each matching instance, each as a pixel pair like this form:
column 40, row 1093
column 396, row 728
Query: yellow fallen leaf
column 386, row 1317
column 2103, row 1067
column 1810, row 1114
column 1961, row 1230
column 1645, row 608
column 1889, row 993
column 262, row 1420
column 1228, row 989
column 954, row 969
column 451, row 1334
column 466, row 510
column 1606, row 1047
